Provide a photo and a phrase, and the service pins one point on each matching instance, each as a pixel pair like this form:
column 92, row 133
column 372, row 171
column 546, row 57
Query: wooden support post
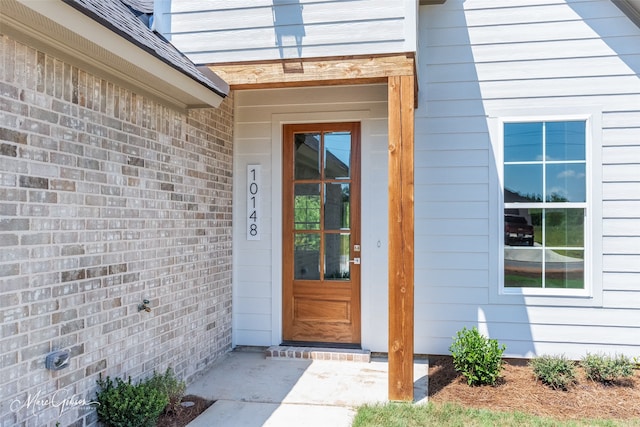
column 401, row 224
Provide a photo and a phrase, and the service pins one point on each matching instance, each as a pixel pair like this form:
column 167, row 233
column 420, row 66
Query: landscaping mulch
column 519, row 390
column 184, row 415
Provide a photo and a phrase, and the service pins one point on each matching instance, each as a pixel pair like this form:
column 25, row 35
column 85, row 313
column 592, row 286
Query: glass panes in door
column 322, row 205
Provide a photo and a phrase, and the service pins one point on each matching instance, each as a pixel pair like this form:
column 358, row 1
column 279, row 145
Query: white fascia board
column 189, row 93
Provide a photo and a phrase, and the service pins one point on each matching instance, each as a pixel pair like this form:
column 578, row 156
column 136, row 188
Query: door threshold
column 323, row 352
column 319, row 344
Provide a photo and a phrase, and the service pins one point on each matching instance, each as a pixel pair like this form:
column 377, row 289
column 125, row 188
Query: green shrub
column 476, row 357
column 555, row 371
column 122, row 404
column 606, row 369
column 172, row 387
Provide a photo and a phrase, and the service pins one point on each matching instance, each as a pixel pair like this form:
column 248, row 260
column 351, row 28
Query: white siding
column 477, row 57
column 259, row 115
column 480, row 56
column 229, row 31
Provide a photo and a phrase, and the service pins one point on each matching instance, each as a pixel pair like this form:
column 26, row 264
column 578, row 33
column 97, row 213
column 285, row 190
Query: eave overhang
column 631, row 8
column 71, row 35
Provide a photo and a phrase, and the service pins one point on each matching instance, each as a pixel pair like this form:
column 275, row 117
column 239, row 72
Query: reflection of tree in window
column 307, row 212
column 511, row 196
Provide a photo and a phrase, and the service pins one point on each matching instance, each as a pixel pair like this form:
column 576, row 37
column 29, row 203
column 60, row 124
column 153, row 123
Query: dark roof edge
column 215, row 80
column 629, row 9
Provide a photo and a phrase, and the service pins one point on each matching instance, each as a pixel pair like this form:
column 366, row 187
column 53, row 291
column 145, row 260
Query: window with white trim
column 545, row 204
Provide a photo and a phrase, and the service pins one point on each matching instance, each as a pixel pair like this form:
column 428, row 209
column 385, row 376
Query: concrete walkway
column 251, row 390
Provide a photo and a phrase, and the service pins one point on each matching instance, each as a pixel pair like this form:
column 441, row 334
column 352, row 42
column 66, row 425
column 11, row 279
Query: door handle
column 355, row 260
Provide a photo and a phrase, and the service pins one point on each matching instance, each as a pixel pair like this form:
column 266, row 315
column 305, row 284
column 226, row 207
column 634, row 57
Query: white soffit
column 59, row 29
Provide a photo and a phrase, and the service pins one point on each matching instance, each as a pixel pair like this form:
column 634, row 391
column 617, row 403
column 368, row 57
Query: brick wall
column 107, row 198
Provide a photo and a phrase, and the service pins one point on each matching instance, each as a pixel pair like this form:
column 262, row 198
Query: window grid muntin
column 545, row 205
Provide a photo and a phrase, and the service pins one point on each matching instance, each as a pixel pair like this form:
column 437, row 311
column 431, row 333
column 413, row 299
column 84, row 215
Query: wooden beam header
column 315, row 71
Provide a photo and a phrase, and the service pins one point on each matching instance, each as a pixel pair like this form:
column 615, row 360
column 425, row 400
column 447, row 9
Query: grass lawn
column 443, row 415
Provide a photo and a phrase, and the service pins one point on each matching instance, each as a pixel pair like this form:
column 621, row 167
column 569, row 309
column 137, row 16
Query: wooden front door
column 321, row 233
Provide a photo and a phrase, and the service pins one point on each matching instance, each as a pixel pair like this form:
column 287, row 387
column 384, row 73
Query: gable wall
column 107, row 198
column 227, row 31
column 480, row 57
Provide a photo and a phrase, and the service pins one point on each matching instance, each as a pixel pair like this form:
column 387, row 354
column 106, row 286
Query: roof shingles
column 116, row 16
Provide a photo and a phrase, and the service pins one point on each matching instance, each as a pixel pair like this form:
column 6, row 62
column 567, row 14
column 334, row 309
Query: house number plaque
column 253, row 202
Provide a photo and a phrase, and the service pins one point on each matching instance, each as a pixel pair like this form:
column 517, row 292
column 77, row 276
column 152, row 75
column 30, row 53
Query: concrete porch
column 253, row 390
